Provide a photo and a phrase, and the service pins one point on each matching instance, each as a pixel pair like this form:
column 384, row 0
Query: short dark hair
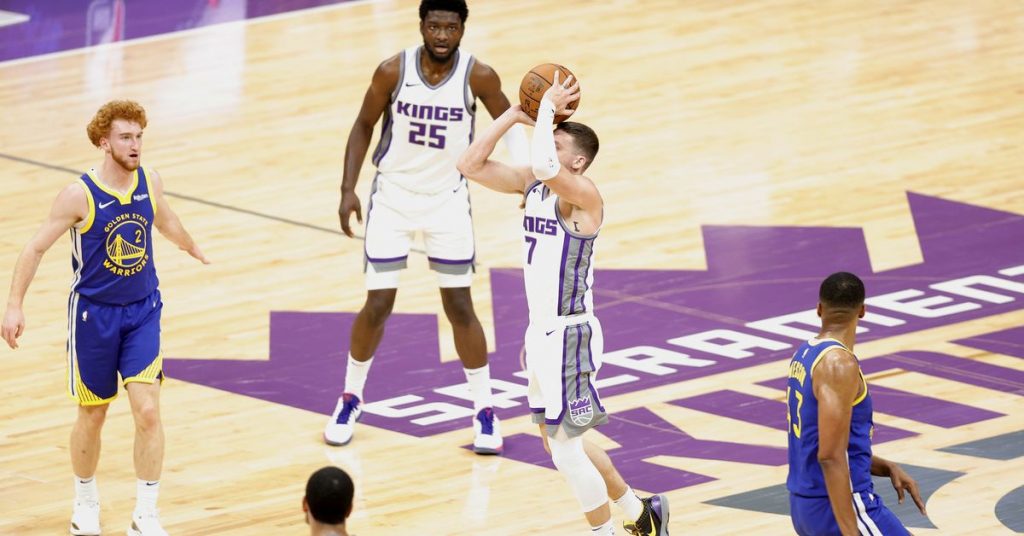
column 584, row 137
column 329, row 494
column 455, row 6
column 842, row 290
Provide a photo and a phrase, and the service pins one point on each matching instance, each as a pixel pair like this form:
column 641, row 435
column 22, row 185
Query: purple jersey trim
column 468, row 91
column 561, row 276
column 390, row 259
column 419, row 72
column 452, row 261
column 579, row 373
column 576, row 278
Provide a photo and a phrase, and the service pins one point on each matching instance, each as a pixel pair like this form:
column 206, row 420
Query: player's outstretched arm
column 70, row 207
column 376, row 100
column 836, row 382
column 901, row 481
column 168, row 223
column 477, row 165
column 578, row 191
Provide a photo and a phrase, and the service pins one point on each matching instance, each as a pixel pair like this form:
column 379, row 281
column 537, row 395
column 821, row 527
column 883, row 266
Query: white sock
column 606, row 529
column 146, row 492
column 355, row 375
column 86, row 490
column 630, row 504
column 479, row 380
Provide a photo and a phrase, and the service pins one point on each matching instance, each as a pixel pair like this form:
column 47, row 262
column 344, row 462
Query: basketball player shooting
column 564, row 342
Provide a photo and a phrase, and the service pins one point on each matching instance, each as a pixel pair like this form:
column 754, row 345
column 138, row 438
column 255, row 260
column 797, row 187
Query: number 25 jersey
column 426, row 128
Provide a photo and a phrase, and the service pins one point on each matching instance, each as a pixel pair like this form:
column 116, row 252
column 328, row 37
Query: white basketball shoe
column 340, row 428
column 487, row 433
column 85, row 518
column 146, row 524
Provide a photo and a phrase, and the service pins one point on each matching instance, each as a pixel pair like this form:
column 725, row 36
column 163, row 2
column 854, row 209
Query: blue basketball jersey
column 805, row 475
column 112, row 250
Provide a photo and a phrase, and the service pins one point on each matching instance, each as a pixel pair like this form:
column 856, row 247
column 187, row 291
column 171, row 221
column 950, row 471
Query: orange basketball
column 536, row 83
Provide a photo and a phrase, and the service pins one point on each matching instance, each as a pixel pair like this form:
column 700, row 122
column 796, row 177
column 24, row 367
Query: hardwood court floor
column 760, row 113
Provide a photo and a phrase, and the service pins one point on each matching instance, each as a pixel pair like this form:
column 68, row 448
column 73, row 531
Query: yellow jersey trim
column 91, row 216
column 149, row 188
column 85, row 396
column 150, row 373
column 125, row 198
column 863, row 381
column 821, row 355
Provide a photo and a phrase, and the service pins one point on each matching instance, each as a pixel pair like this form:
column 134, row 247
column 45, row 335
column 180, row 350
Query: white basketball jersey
column 558, row 264
column 426, row 128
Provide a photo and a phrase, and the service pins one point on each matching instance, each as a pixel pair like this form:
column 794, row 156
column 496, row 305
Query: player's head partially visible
column 328, row 499
column 117, row 129
column 841, row 298
column 576, row 145
column 441, row 25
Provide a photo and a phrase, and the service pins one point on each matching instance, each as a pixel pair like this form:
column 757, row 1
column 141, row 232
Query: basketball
column 536, row 83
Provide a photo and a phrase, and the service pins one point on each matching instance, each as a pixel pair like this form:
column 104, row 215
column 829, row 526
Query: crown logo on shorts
column 579, row 404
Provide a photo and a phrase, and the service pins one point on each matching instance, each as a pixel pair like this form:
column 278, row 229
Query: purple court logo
column 581, row 412
column 753, row 305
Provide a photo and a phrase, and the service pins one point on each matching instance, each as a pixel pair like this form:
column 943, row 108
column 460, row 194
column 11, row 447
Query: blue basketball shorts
column 106, row 340
column 812, row 516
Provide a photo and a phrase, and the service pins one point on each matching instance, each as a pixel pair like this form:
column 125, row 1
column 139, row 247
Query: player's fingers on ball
column 568, row 80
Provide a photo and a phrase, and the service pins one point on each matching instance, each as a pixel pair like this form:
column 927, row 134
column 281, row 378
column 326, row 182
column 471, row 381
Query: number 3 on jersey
column 794, row 399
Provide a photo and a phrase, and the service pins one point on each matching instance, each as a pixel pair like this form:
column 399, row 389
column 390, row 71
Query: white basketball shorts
column 393, row 217
column 562, row 360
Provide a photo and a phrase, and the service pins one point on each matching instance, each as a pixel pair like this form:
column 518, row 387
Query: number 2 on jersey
column 794, row 399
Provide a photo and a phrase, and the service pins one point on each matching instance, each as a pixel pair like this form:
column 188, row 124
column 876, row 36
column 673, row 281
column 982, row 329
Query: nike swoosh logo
column 151, row 483
column 407, row 84
column 107, row 204
column 550, row 332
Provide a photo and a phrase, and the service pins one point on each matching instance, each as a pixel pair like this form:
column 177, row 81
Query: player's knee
column 378, row 308
column 572, row 462
column 93, row 416
column 459, row 310
column 147, row 416
column 567, row 454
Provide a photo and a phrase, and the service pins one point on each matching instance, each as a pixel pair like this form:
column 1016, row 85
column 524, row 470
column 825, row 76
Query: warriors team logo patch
column 126, row 245
column 581, row 411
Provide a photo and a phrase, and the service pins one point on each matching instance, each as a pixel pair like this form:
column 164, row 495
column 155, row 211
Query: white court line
column 10, row 18
column 178, row 33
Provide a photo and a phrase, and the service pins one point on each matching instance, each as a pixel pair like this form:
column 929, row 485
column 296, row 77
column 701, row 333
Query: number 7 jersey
column 426, row 127
column 558, row 264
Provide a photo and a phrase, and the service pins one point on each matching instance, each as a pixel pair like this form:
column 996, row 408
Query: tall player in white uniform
column 564, row 342
column 427, row 96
